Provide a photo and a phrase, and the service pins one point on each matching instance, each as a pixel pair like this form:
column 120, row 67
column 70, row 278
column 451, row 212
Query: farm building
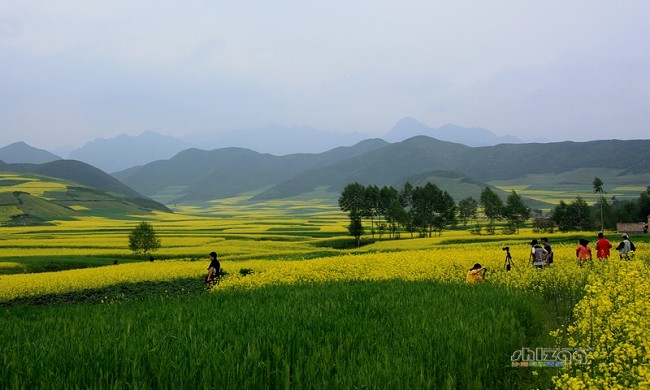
column 633, row 228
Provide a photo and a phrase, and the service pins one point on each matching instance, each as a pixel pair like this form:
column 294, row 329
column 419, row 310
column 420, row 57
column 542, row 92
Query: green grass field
column 339, row 335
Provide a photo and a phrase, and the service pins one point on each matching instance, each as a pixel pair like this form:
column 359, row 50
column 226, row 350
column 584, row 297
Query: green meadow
column 338, row 335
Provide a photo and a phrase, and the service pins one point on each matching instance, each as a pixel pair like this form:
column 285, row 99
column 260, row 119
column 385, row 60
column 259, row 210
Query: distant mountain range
column 125, row 151
column 277, row 140
column 474, row 136
column 197, row 175
column 202, row 175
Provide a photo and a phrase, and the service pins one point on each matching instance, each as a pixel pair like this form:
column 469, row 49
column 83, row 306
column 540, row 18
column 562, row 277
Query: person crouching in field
column 476, row 274
column 583, row 252
column 214, row 269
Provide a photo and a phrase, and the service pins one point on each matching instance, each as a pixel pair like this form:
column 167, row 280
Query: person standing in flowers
column 583, row 252
column 214, row 269
column 547, row 247
column 602, row 247
column 476, row 274
column 625, row 247
column 538, row 255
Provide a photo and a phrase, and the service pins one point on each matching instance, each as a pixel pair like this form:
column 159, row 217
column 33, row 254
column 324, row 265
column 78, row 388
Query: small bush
column 245, row 271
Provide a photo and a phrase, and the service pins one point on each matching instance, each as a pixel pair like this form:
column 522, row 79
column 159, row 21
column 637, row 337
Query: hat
column 534, row 242
column 624, row 235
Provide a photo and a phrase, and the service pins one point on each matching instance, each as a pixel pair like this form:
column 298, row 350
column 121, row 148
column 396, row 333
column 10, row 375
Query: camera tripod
column 508, row 263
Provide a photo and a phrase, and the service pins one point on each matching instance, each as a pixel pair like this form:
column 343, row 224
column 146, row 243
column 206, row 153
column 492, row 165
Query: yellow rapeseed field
column 612, row 319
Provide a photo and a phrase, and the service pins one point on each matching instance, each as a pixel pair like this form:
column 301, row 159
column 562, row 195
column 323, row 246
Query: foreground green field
column 298, row 307
column 334, row 335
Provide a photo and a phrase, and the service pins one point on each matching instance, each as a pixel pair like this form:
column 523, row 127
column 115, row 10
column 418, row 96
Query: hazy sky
column 73, row 71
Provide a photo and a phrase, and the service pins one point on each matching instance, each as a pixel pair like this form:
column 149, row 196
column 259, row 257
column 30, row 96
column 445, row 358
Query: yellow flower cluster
column 613, row 324
column 30, row 285
column 447, row 264
column 31, row 184
column 444, row 263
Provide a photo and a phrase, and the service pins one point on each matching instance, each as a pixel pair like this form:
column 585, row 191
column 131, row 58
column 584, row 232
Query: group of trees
column 424, row 210
column 429, row 209
column 578, row 215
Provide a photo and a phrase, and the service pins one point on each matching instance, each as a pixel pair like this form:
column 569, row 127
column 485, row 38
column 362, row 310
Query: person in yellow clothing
column 476, row 274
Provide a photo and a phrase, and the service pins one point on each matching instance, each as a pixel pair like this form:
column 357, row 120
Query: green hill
column 20, row 152
column 202, row 175
column 195, row 175
column 21, row 208
column 28, row 197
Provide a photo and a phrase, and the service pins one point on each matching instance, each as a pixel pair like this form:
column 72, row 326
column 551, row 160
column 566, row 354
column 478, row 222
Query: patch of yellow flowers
column 613, row 319
column 612, row 322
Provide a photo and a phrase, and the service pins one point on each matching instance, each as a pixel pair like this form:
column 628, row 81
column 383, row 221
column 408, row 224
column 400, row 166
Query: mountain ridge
column 20, row 152
column 409, row 127
column 126, row 151
column 275, row 177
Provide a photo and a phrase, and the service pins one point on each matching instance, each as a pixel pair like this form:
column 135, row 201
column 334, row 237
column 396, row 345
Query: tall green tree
column 143, row 239
column 573, row 216
column 353, row 201
column 467, row 210
column 627, row 211
column 515, row 212
column 423, row 209
column 434, row 209
column 560, row 216
column 390, row 209
column 444, row 211
column 598, row 189
column 406, row 200
column 644, row 204
column 492, row 207
column 579, row 210
column 371, row 206
column 387, row 195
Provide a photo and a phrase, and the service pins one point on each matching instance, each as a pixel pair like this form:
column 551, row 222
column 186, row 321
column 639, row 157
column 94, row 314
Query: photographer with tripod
column 476, row 274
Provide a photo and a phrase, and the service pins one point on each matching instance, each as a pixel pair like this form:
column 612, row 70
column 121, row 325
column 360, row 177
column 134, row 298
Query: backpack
column 539, row 254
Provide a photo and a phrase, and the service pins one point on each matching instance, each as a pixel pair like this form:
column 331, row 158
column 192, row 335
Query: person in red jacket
column 602, row 247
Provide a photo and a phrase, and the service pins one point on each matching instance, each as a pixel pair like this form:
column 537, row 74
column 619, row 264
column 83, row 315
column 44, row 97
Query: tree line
column 603, row 215
column 425, row 210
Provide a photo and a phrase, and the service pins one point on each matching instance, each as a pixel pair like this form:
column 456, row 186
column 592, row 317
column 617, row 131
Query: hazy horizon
column 76, row 71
